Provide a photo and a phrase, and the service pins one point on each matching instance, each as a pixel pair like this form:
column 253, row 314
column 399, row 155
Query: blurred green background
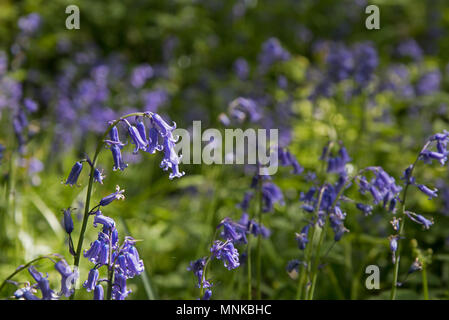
column 193, row 45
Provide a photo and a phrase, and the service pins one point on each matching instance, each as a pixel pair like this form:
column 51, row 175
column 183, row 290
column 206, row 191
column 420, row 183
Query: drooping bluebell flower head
column 171, row 160
column 416, row 266
column 251, row 226
column 139, row 141
column 302, row 237
column 92, row 279
column 207, row 295
column 117, row 195
column 336, row 219
column 74, row 173
column 98, row 176
column 42, row 283
column 382, row 187
column 68, row 221
column 426, row 223
column 431, row 193
column 119, row 164
column 197, row 267
column 99, row 292
column 68, row 277
column 119, row 290
column 98, row 253
column 233, row 231
column 394, row 246
column 226, row 252
column 26, row 293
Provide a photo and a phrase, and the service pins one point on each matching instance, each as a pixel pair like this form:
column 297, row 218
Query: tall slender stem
column 402, row 223
column 89, row 189
column 424, row 282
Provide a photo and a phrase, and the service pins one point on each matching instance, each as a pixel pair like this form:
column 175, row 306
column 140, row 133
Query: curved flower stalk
column 434, row 149
column 159, row 130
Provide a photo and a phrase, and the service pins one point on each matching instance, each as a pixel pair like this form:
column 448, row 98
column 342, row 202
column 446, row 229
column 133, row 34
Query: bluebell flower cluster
column 68, row 279
column 160, row 130
column 382, row 187
column 123, row 260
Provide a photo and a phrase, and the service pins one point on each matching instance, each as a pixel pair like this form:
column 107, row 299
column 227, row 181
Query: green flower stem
column 401, row 228
column 249, row 267
column 90, row 186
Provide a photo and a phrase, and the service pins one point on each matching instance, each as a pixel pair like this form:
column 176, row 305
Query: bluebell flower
column 114, row 138
column 197, row 267
column 233, row 231
column 336, row 219
column 171, row 159
column 429, row 192
column 93, row 252
column 119, row 290
column 416, row 266
column 153, row 140
column 164, row 129
column 92, row 279
column 42, row 283
column 302, row 237
column 395, row 223
column 117, row 157
column 226, row 252
column 26, row 293
column 394, row 246
column 271, row 194
column 426, row 223
column 207, row 295
column 74, row 173
column 137, row 139
column 98, row 292
column 117, row 195
column 107, row 222
column 98, row 176
column 68, row 221
column 68, row 277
